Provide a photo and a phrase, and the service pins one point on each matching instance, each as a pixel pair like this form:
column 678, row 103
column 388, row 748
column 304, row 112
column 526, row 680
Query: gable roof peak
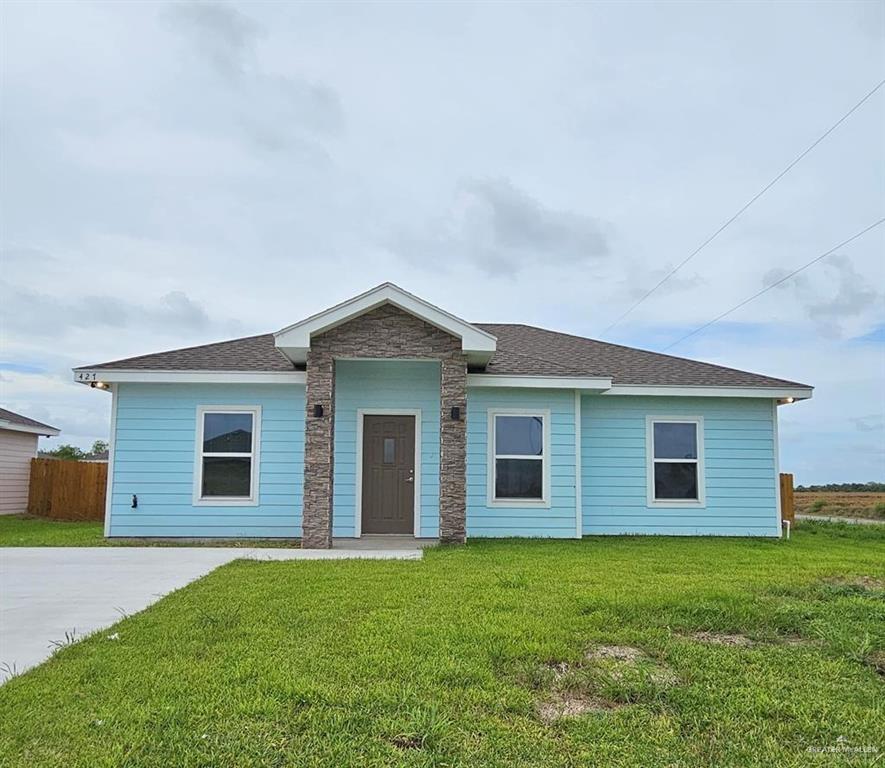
column 294, row 340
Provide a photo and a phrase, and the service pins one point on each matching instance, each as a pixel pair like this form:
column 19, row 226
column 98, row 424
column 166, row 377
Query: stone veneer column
column 453, row 450
column 319, row 457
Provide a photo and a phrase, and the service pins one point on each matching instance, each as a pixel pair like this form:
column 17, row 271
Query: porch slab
column 381, row 543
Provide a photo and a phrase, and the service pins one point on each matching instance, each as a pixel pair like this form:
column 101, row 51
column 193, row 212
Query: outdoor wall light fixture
column 134, row 501
column 318, row 411
column 456, row 413
column 98, row 385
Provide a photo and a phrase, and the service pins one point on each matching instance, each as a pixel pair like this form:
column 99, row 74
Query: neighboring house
column 386, row 414
column 18, row 445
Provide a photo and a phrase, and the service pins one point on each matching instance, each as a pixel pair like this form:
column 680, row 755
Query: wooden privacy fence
column 67, row 490
column 787, row 511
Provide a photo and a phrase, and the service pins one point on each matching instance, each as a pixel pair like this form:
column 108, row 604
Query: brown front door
column 388, row 474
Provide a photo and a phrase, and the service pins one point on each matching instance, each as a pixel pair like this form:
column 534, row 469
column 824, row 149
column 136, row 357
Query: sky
column 176, row 174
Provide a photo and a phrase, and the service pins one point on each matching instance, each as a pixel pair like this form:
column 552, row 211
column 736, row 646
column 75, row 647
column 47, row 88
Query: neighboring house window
column 675, row 461
column 227, row 455
column 518, row 471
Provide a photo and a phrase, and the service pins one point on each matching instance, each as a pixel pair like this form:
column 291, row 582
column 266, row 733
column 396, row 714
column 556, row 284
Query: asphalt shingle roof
column 253, row 353
column 549, row 353
column 16, row 418
column 523, row 350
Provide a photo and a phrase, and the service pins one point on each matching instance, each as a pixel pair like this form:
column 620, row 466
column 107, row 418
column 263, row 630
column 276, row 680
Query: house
column 18, row 445
column 388, row 415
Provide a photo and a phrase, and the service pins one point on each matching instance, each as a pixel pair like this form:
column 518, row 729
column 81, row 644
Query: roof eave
column 43, row 430
column 788, row 392
column 106, row 376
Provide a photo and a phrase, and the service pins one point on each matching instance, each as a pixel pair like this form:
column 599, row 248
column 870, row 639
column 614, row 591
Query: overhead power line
column 752, row 200
column 775, row 284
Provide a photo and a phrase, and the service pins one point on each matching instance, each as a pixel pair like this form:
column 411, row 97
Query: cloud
column 500, row 229
column 853, row 298
column 271, row 107
column 640, row 280
column 223, row 35
column 874, row 422
column 29, row 313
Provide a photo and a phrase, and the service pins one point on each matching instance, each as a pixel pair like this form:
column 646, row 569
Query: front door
column 388, row 474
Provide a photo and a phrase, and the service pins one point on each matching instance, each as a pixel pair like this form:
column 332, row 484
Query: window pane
column 676, row 481
column 227, row 432
column 676, row 441
column 519, row 479
column 519, row 435
column 389, row 450
column 226, row 477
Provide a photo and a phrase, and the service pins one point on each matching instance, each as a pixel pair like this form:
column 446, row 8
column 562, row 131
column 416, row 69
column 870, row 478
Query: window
column 226, row 471
column 675, row 461
column 518, row 466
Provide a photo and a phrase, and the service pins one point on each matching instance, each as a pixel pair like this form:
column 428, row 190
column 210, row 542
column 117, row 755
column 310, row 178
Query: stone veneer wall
column 384, row 332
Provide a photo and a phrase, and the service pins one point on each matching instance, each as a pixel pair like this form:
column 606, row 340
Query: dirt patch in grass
column 860, row 583
column 794, row 640
column 621, row 662
column 569, row 704
column 614, row 652
column 607, row 678
column 723, row 638
column 406, row 742
column 559, row 668
column 877, row 662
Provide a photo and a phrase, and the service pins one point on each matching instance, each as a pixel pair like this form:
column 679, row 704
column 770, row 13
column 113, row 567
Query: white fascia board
column 294, row 340
column 590, row 383
column 32, row 430
column 782, row 393
column 110, row 376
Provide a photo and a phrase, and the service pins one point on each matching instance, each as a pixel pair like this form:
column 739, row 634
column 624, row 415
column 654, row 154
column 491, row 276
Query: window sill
column 520, row 503
column 225, row 501
column 677, row 503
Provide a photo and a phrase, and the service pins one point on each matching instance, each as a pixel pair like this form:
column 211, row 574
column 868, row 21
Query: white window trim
column 542, row 503
column 360, row 421
column 227, row 501
column 650, row 421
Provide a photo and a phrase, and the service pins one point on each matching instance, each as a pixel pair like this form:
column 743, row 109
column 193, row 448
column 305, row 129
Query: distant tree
column 99, row 446
column 871, row 487
column 69, row 452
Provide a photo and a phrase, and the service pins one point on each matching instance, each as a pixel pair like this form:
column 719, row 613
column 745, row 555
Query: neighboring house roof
column 522, row 350
column 15, row 422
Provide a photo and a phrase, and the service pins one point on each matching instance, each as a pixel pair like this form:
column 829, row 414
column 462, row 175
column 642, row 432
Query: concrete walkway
column 832, row 519
column 46, row 592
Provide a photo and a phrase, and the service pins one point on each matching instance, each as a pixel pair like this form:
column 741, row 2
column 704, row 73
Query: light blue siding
column 559, row 519
column 739, row 459
column 366, row 384
column 154, row 459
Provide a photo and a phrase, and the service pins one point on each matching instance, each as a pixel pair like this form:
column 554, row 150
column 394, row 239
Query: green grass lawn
column 26, row 531
column 448, row 661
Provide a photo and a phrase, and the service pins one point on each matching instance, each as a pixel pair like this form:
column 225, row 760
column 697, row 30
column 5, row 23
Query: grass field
column 603, row 652
column 840, row 504
column 25, row 531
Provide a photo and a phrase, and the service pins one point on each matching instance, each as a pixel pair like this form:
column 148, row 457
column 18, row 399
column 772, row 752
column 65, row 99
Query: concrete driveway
column 46, row 592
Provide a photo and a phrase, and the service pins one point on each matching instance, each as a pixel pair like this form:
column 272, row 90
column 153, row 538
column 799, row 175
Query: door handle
column 411, row 477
